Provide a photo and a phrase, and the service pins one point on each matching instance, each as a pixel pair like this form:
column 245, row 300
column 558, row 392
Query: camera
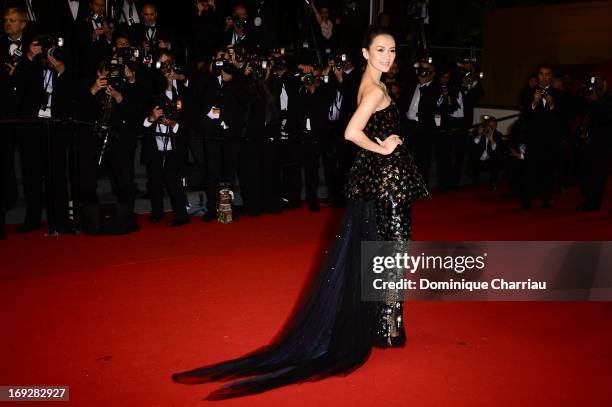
column 115, row 76
column 308, row 79
column 543, row 91
column 222, row 65
column 258, row 66
column 97, row 18
column 279, row 63
column 171, row 108
column 127, row 56
column 338, row 60
column 166, row 67
column 590, row 85
column 51, row 46
column 240, row 23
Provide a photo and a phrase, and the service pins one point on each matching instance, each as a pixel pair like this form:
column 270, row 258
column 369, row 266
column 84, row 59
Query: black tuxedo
column 309, row 110
column 66, row 24
column 119, row 155
column 544, row 129
column 594, row 151
column 89, row 50
column 140, row 33
column 164, row 165
column 423, row 134
column 222, row 143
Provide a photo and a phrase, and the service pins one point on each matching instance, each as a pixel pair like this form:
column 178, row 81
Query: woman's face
column 381, row 53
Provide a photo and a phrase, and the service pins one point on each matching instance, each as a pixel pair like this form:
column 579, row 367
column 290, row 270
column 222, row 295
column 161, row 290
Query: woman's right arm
column 354, row 131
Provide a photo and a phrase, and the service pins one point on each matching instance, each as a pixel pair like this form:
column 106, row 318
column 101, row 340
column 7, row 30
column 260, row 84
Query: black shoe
column 155, row 218
column 133, row 227
column 209, row 216
column 547, row 204
column 314, row 207
column 178, row 222
column 493, row 187
column 27, row 228
column 66, row 230
column 525, row 205
column 2, row 234
column 586, row 207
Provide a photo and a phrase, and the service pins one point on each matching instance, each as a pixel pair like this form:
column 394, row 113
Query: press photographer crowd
column 86, row 85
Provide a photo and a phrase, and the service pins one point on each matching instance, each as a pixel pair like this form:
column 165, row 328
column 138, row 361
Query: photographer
column 56, row 81
column 237, row 28
column 113, row 102
column 259, row 168
column 15, row 80
column 594, row 141
column 93, row 38
column 459, row 120
column 485, row 152
column 444, row 139
column 543, row 117
column 164, row 147
column 222, row 106
column 326, row 26
column 149, row 34
column 342, row 83
column 419, row 107
column 283, row 86
column 207, row 35
column 306, row 123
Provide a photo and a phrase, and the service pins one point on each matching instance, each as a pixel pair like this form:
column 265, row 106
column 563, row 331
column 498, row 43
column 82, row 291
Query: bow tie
column 16, row 42
column 151, row 28
column 73, row 1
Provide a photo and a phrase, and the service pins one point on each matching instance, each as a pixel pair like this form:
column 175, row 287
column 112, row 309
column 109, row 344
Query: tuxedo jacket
column 231, row 98
column 138, row 34
column 477, row 149
column 428, row 103
column 20, row 89
column 543, row 124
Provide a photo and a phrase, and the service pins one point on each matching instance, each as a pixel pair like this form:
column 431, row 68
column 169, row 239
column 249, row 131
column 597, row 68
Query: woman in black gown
column 333, row 329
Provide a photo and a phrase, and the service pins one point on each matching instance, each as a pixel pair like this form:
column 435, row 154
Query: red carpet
column 114, row 317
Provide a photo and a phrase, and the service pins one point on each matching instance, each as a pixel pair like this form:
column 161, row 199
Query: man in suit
column 68, row 13
column 595, row 143
column 21, row 82
column 418, row 106
column 485, row 150
column 469, row 92
column 93, row 38
column 543, row 108
column 222, row 120
column 118, row 108
column 164, row 145
column 149, row 33
column 307, row 122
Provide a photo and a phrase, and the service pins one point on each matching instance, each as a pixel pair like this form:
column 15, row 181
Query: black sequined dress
column 332, row 330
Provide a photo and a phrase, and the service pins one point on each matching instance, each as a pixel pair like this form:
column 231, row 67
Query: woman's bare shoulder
column 371, row 93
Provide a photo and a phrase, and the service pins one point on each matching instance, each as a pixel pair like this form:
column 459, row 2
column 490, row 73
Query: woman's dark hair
column 373, row 32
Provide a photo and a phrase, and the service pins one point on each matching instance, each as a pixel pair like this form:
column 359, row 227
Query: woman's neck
column 373, row 74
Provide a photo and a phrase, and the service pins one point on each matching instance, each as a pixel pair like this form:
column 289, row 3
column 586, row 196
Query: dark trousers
column 221, row 166
column 477, row 166
column 421, row 139
column 593, row 174
column 259, row 173
column 540, row 171
column 164, row 171
column 457, row 141
column 60, row 150
column 118, row 157
column 331, row 150
column 30, row 141
column 301, row 155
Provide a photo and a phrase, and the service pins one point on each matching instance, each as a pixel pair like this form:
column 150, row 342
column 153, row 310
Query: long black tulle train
column 330, row 333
